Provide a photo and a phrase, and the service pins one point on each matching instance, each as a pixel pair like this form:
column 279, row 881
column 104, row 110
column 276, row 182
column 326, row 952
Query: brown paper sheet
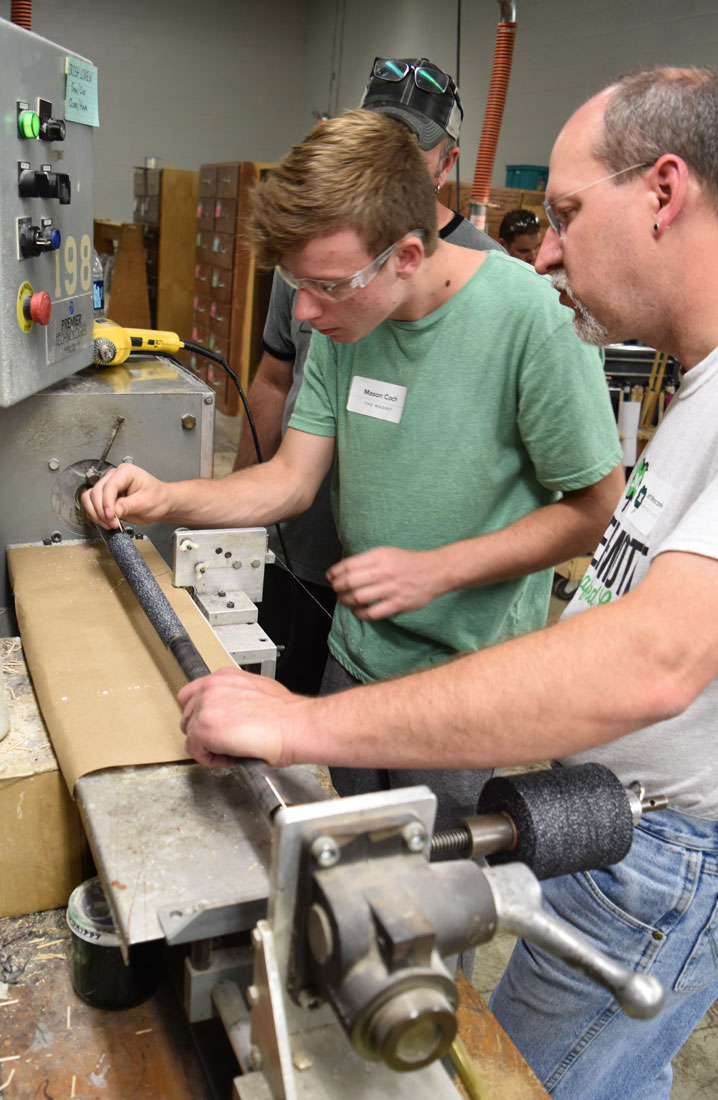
column 105, row 682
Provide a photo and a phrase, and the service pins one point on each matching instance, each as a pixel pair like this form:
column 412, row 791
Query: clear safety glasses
column 338, row 289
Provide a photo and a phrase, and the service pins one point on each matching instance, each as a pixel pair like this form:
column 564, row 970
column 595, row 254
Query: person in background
column 298, row 616
column 519, row 234
column 629, row 677
column 470, row 431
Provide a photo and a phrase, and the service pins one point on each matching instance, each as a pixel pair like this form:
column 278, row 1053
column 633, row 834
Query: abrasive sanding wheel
column 567, row 819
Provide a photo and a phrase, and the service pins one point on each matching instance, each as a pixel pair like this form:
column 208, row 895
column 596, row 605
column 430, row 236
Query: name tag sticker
column 648, row 503
column 382, row 400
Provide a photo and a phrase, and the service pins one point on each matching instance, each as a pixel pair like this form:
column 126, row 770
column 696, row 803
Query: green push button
column 28, row 124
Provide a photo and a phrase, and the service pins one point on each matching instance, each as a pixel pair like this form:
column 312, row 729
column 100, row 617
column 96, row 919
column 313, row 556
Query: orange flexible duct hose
column 505, row 38
column 21, row 13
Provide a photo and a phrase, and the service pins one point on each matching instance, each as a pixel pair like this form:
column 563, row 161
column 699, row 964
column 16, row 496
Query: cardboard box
column 42, row 844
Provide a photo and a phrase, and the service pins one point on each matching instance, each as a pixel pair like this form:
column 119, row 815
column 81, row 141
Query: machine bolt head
column 309, row 999
column 320, row 935
column 302, row 1060
column 325, row 851
column 415, row 836
column 209, row 401
column 255, row 563
column 54, row 464
column 189, row 422
column 128, row 458
column 236, row 565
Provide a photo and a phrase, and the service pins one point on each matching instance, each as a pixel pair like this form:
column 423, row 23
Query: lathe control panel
column 49, row 109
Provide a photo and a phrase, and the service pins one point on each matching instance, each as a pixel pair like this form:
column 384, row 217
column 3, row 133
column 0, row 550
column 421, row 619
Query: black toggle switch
column 35, row 239
column 45, row 184
column 52, row 129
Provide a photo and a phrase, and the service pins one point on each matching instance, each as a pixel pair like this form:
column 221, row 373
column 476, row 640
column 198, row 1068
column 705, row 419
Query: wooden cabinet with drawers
column 230, row 295
column 165, row 204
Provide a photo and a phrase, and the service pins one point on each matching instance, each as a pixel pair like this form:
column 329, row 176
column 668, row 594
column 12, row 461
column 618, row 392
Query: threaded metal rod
column 483, row 835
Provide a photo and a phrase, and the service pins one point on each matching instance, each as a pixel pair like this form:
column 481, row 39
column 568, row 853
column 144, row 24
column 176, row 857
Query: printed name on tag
column 370, row 397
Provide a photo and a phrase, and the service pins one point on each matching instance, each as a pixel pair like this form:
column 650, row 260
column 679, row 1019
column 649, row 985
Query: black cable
column 457, row 79
column 198, row 349
column 207, row 353
column 217, row 358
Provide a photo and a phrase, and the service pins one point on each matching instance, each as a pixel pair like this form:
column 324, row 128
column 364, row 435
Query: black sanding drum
column 567, row 819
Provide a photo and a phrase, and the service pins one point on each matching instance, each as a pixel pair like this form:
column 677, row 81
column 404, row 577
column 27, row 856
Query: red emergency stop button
column 37, row 307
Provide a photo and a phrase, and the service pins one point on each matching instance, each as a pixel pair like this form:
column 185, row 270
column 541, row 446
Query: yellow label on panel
column 25, row 290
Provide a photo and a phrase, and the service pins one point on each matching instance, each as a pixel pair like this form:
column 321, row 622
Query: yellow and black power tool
column 113, row 343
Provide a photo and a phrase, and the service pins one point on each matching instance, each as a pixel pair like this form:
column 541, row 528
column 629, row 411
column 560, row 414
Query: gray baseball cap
column 418, row 93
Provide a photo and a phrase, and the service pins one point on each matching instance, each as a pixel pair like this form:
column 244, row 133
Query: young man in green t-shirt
column 474, row 441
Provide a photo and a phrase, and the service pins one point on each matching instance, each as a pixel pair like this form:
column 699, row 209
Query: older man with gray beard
column 629, row 677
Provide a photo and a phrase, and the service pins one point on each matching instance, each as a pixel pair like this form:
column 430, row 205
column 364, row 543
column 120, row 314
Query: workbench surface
column 53, row 1046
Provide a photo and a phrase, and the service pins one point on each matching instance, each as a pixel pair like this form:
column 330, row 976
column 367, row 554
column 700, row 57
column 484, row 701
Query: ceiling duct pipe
column 503, row 53
column 21, row 13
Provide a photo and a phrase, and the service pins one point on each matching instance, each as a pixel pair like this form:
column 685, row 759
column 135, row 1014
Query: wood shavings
column 51, row 955
column 4, row 1004
column 4, row 1084
column 10, row 646
column 69, row 1015
column 72, row 1088
column 144, row 1031
column 10, row 1058
column 11, row 664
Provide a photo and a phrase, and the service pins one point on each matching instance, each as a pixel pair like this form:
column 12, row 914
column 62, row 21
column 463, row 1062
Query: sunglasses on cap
column 421, row 96
column 426, row 78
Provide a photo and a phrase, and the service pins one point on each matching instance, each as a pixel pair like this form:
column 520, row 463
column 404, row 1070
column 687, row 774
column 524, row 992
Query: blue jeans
column 657, row 912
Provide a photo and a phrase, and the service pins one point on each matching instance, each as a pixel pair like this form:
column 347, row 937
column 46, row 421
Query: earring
column 656, row 227
column 437, row 189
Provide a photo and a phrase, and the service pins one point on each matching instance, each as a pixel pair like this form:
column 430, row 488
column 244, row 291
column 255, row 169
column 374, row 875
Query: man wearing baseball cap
column 418, row 93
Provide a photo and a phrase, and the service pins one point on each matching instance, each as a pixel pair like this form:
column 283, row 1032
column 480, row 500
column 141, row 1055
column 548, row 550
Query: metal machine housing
column 34, row 355
column 48, row 441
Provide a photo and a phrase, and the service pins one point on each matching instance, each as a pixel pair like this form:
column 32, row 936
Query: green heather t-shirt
column 458, row 424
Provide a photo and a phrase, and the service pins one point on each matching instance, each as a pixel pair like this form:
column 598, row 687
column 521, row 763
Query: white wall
column 193, row 82
column 565, row 50
column 183, row 81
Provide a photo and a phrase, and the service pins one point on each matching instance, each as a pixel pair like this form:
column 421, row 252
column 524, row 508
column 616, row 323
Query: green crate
column 531, row 177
